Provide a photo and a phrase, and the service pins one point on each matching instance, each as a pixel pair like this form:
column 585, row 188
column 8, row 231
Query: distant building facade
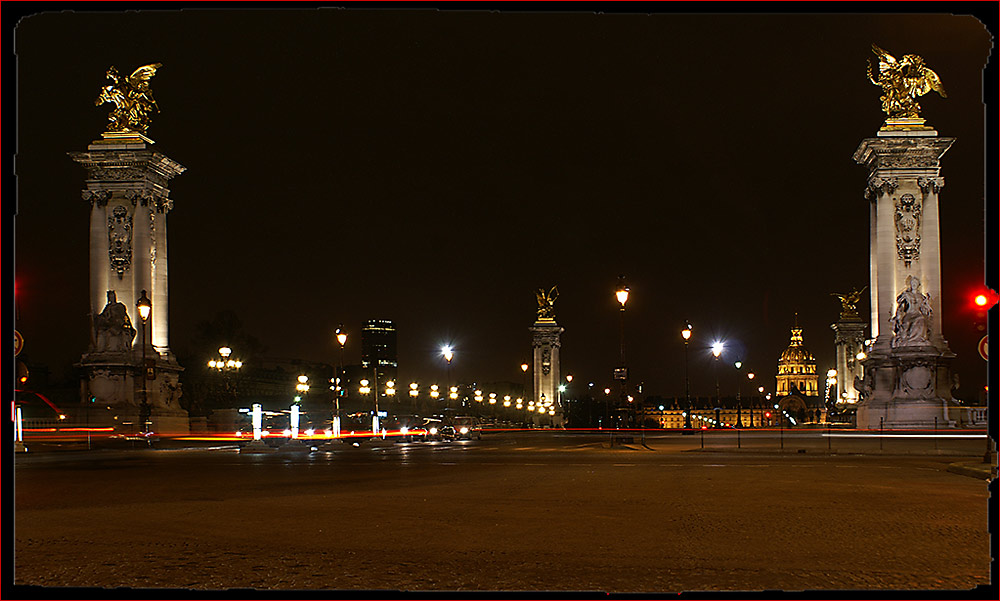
column 378, row 349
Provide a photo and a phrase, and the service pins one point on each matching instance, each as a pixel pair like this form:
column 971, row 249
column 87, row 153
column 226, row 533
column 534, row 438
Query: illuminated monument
column 907, row 374
column 545, row 346
column 126, row 187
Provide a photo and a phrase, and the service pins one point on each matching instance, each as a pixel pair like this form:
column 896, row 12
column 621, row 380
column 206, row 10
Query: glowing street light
column 414, row 389
column 686, row 335
column 434, row 391
column 341, row 336
column 390, row 388
column 303, row 385
column 145, row 307
column 621, row 293
column 717, row 348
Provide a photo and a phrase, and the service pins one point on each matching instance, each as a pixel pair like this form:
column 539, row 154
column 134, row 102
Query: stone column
column 127, row 187
column 849, row 338
column 545, row 346
column 100, row 263
column 159, row 263
column 907, row 383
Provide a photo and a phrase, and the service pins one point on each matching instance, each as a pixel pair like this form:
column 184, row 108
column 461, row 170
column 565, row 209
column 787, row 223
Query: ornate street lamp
column 717, row 349
column 449, row 354
column 621, row 293
column 226, row 365
column 739, row 400
column 686, row 335
column 338, row 384
column 145, row 307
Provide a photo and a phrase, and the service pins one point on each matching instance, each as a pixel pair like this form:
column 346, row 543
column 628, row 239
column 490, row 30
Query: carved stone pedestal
column 114, row 381
column 909, row 388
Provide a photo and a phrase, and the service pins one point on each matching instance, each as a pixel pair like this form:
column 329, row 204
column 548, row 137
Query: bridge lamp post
column 717, row 349
column 686, row 335
column 739, row 398
column 145, row 307
column 621, row 294
column 448, row 354
column 338, row 385
column 227, row 366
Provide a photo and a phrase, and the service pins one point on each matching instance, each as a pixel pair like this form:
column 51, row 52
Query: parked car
column 467, row 428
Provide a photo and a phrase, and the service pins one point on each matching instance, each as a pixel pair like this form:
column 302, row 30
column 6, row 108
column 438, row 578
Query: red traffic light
column 767, row 414
column 981, row 300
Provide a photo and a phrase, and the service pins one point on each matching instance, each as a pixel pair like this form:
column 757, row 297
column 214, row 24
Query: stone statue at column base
column 113, row 330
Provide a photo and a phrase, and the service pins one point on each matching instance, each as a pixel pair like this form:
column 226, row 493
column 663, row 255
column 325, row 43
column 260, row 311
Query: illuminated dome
column 797, row 368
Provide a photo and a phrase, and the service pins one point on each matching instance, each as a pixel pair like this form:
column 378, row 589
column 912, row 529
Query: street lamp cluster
column 225, row 363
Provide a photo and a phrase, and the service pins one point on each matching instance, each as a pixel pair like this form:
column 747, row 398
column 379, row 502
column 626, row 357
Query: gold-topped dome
column 797, row 367
column 795, row 351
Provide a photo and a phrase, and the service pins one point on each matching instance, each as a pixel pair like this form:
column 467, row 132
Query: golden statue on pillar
column 546, row 302
column 133, row 100
column 901, row 82
column 849, row 303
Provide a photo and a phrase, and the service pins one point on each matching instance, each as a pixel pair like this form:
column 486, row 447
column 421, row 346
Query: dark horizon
column 435, row 167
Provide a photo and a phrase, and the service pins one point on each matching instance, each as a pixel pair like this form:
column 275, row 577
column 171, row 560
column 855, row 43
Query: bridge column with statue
column 908, row 377
column 849, row 338
column 545, row 349
column 126, row 187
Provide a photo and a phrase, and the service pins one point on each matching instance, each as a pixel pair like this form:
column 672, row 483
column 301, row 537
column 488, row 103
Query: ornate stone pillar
column 907, row 381
column 545, row 346
column 849, row 338
column 127, row 188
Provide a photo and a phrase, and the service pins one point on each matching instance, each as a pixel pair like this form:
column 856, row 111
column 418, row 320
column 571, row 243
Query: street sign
column 984, row 348
column 18, row 343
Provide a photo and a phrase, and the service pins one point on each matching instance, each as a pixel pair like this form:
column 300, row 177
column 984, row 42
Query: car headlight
column 404, row 430
column 434, row 430
column 464, row 430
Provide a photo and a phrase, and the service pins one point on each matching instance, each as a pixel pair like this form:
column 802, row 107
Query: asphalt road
column 514, row 512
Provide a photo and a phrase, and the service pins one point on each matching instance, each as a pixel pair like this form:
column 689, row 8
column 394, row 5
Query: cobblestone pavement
column 509, row 513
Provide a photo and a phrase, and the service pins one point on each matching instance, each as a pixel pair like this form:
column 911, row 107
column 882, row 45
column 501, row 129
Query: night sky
column 436, row 167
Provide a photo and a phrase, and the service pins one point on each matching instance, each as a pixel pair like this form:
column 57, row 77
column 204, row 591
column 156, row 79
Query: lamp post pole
column 524, row 368
column 339, row 386
column 145, row 307
column 739, row 398
column 448, row 354
column 227, row 366
column 622, row 295
column 686, row 334
column 717, row 352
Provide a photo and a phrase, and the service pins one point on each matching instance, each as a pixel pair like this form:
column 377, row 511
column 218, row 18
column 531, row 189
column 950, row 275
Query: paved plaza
column 517, row 511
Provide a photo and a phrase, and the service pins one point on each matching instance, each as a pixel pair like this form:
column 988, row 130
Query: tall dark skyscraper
column 378, row 348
